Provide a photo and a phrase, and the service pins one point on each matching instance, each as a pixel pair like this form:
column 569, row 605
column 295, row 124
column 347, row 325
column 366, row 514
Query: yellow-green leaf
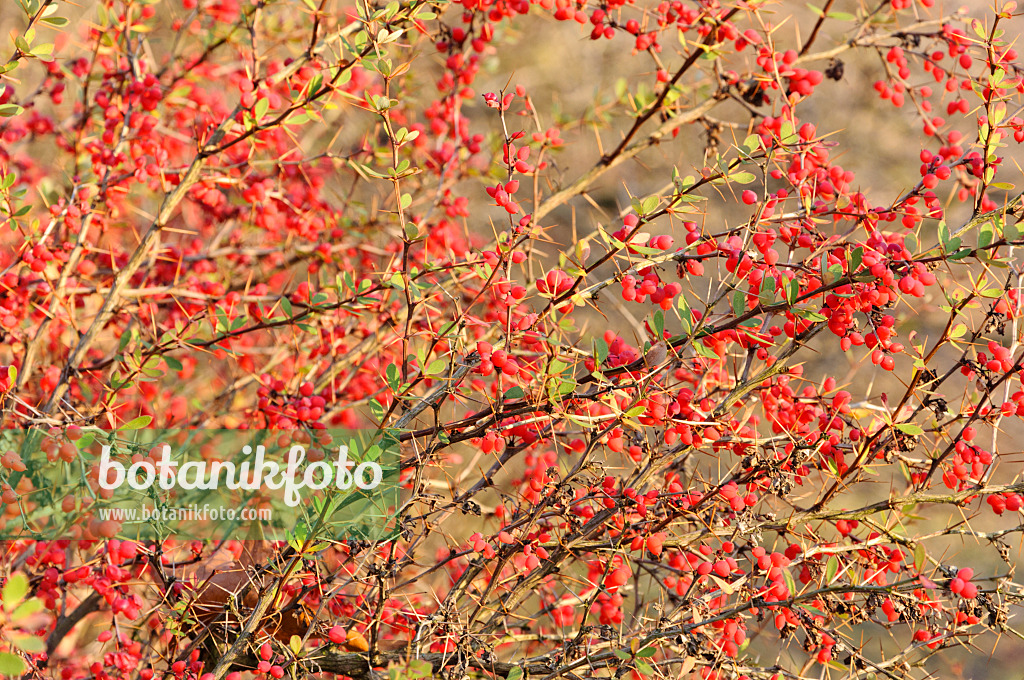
column 15, row 591
column 136, row 423
column 11, row 664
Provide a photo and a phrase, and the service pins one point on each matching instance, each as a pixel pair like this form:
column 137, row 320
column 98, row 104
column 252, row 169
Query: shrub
column 753, row 417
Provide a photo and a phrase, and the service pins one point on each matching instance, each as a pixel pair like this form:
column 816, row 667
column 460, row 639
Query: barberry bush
column 698, row 323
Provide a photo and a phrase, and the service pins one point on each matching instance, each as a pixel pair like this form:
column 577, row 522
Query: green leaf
column 116, row 381
column 27, row 609
column 704, row 351
column 622, row 655
column 644, row 668
column 515, row 393
column 377, row 409
column 261, row 107
column 8, row 110
column 11, row 664
column 909, row 428
column 910, row 242
column 987, row 235
column 565, row 386
column 832, row 274
column 979, row 29
column 738, row 302
column 601, row 350
column 136, row 423
column 514, row 674
column 1011, row 232
column 787, row 133
column 685, row 315
column 659, row 324
column 394, row 379
column 943, row 230
column 742, row 177
column 790, row 583
column 831, row 569
column 557, row 367
column 15, row 591
column 436, row 366
column 28, row 643
column 635, row 411
column 314, row 85
column 856, row 258
column 647, row 652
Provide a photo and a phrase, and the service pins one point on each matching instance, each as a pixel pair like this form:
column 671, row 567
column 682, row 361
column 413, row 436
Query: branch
column 66, row 623
column 617, row 158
